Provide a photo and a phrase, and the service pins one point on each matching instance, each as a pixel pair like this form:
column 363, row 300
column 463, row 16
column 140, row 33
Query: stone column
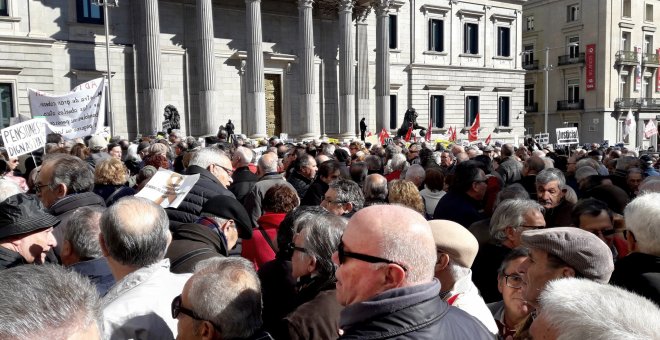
column 306, row 38
column 346, row 70
column 363, row 67
column 209, row 121
column 148, row 44
column 256, row 96
column 382, row 64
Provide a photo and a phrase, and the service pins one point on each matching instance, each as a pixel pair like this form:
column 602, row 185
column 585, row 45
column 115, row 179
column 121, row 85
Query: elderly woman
column 11, row 173
column 405, row 192
column 278, row 201
column 110, row 178
column 317, row 313
column 434, row 185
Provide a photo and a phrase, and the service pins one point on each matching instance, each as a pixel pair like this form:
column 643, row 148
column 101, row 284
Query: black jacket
column 639, row 273
column 314, row 194
column 191, row 207
column 244, row 180
column 415, row 312
column 458, row 207
column 10, row 259
column 191, row 243
column 63, row 209
column 300, row 183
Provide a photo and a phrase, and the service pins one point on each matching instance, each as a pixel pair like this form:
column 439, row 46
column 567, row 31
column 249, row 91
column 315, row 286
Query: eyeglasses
column 324, row 198
column 532, row 226
column 604, row 232
column 177, row 309
column 37, row 187
column 513, row 281
column 292, row 247
column 228, row 171
column 342, row 255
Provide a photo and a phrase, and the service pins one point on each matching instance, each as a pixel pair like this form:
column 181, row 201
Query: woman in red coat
column 278, row 201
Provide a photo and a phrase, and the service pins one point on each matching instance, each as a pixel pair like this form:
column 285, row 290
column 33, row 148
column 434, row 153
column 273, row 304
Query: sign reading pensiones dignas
column 566, row 136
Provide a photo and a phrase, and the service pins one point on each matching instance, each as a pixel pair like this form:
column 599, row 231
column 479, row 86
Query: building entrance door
column 273, row 87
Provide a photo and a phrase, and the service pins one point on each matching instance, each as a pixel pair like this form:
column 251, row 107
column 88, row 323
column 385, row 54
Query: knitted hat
column 581, row 250
column 228, row 207
column 455, row 240
column 22, row 214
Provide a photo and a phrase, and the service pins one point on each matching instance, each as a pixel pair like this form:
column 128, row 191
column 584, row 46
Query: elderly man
column 81, row 249
column 639, row 272
column 510, row 168
column 558, row 253
column 343, row 198
column 64, row 183
column 550, row 192
column 303, row 174
column 602, row 312
column 531, row 167
column 134, row 237
column 47, row 302
column 510, row 219
column 447, row 161
column 222, row 300
column 456, row 249
column 595, row 216
column 416, row 174
column 26, row 231
column 328, row 172
column 463, row 203
column 267, row 170
column 385, row 280
column 243, row 179
column 375, row 190
column 214, row 169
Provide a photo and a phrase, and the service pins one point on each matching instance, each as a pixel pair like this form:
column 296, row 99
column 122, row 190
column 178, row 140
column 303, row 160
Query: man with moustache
column 550, row 192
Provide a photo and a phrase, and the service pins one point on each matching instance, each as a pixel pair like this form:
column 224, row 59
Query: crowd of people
column 318, row 240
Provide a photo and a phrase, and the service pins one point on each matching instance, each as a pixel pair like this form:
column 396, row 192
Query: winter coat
column 243, row 181
column 63, row 209
column 257, row 249
column 192, row 243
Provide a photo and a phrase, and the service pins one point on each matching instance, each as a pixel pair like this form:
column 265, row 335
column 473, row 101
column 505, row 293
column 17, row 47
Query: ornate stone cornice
column 382, row 7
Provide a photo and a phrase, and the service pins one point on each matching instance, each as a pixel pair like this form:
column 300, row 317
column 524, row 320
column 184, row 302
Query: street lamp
column 106, row 4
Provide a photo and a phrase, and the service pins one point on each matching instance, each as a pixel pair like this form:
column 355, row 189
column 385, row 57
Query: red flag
column 473, row 134
column 428, row 132
column 383, row 135
column 450, row 133
column 407, row 138
column 369, row 134
column 488, row 139
column 453, row 135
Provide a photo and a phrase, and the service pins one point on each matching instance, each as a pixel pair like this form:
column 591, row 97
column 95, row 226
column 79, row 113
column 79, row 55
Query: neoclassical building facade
column 302, row 67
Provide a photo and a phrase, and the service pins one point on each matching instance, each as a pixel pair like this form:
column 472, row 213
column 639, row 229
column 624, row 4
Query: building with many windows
column 603, row 62
column 304, row 67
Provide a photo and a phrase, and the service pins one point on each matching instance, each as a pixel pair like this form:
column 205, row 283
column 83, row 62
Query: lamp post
column 106, row 24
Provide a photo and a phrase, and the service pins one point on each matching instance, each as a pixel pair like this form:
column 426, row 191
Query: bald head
column 268, row 163
column 507, row 150
column 375, row 187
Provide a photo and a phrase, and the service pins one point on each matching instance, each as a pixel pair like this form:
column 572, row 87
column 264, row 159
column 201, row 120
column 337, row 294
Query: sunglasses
column 343, row 254
column 178, row 309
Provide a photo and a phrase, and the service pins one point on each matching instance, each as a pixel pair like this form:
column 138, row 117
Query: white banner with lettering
column 78, row 113
column 168, row 188
column 24, row 137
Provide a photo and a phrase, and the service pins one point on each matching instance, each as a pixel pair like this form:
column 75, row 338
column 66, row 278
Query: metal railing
column 568, row 59
column 627, row 57
column 530, row 65
column 563, row 105
column 651, row 58
column 635, row 103
column 534, row 107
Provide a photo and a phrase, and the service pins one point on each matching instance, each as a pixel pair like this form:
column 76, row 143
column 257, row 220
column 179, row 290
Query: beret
column 455, row 240
column 224, row 206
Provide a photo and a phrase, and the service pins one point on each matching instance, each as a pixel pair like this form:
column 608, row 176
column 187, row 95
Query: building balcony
column 637, row 103
column 530, row 65
column 651, row 60
column 571, row 59
column 564, row 105
column 626, row 58
column 533, row 107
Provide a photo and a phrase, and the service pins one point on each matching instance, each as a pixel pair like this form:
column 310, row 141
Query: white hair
column 398, row 162
column 8, row 188
column 132, row 154
column 244, row 155
column 583, row 309
column 456, row 271
column 641, row 217
column 549, row 163
column 650, row 184
column 415, row 170
column 509, row 213
column 538, row 153
column 203, row 158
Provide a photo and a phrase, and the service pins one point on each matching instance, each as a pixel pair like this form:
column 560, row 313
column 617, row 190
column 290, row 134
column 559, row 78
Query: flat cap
column 228, row 207
column 581, row 250
column 455, row 240
column 22, row 214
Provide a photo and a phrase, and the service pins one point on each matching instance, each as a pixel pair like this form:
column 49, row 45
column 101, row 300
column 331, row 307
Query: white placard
column 76, row 114
column 24, row 137
column 168, row 188
column 567, row 136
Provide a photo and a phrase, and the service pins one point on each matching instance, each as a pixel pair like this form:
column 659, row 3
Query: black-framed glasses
column 343, row 254
column 513, row 280
column 178, row 309
column 37, row 187
column 228, row 171
column 292, row 247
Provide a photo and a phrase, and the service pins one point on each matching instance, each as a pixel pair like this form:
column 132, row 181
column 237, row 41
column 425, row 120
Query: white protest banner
column 650, row 129
column 567, row 136
column 542, row 138
column 78, row 113
column 168, row 188
column 24, row 137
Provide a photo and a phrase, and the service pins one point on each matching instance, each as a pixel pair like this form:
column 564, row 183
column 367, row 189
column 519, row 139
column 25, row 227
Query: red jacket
column 257, row 248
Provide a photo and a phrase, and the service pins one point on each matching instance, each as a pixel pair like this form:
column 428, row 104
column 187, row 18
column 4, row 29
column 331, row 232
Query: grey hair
column 587, row 162
column 552, row 174
column 46, row 301
column 71, row 171
column 415, row 170
column 375, row 187
column 583, row 309
column 82, row 231
column 513, row 191
column 267, row 165
column 509, row 213
column 456, row 271
column 373, row 162
column 178, row 133
column 329, row 149
column 348, row 192
column 132, row 154
column 306, row 216
column 244, row 155
column 321, row 240
column 641, row 217
column 216, row 219
column 398, row 162
column 203, row 158
column 226, row 292
column 650, row 184
column 8, row 188
column 623, row 163
column 136, row 231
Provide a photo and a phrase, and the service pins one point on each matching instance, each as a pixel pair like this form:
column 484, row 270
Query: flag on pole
column 488, row 139
column 651, row 128
column 450, row 134
column 369, row 134
column 428, row 132
column 408, row 134
column 383, row 135
column 473, row 133
column 629, row 125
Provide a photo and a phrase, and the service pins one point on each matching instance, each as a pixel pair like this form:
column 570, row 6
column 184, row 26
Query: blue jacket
column 98, row 272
